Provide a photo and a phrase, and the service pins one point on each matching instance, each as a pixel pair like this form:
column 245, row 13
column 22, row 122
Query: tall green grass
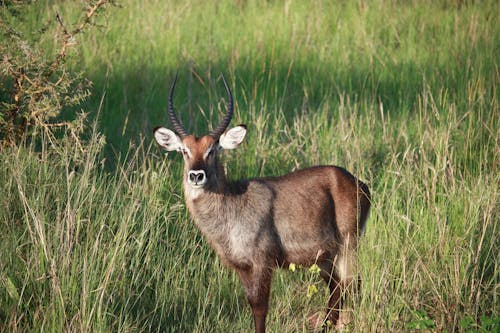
column 404, row 95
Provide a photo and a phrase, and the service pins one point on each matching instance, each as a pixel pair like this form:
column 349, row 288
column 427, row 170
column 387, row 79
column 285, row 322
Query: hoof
column 344, row 320
column 319, row 323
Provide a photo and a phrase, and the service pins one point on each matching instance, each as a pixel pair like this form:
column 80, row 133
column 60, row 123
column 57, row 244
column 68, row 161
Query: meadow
column 404, row 94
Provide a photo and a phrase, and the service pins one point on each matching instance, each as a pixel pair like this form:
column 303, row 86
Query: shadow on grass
column 135, row 102
column 135, row 99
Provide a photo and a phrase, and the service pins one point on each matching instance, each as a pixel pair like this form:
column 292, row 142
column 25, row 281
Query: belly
column 307, row 242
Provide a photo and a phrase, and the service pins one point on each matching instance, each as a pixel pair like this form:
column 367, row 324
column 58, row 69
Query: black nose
column 197, row 176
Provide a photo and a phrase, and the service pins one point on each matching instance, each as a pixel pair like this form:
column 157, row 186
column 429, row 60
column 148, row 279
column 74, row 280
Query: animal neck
column 218, row 183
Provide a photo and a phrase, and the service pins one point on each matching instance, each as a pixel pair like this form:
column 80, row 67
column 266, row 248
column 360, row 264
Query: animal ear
column 167, row 139
column 233, row 138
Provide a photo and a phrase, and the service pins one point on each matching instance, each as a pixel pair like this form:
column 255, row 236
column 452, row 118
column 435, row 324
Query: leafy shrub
column 36, row 87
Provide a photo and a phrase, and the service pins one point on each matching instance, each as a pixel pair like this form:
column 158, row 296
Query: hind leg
column 330, row 276
column 340, row 274
column 349, row 282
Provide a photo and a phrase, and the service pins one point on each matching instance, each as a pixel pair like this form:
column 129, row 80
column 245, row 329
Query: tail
column 364, row 203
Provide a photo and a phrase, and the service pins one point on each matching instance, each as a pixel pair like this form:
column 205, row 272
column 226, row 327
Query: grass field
column 402, row 94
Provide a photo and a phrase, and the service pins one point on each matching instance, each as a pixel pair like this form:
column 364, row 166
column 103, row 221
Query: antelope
column 310, row 216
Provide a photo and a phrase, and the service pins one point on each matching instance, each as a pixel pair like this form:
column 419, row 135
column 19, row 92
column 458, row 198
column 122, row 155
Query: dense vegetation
column 95, row 235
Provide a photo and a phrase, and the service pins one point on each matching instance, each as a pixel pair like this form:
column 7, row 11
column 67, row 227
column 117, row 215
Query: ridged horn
column 217, row 132
column 176, row 123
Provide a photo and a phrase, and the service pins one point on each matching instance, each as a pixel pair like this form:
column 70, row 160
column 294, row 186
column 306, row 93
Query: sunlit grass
column 402, row 95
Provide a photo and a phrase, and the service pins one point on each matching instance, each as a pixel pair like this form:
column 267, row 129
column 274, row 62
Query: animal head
column 201, row 164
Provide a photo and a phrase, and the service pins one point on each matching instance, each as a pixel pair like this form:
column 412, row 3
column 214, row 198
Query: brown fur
column 309, row 216
column 313, row 215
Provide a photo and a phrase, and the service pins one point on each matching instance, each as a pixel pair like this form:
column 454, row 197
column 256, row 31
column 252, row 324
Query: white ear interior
column 167, row 139
column 233, row 138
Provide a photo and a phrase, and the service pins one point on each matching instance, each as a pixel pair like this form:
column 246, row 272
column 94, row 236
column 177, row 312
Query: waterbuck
column 309, row 216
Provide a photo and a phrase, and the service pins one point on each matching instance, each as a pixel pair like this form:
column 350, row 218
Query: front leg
column 257, row 284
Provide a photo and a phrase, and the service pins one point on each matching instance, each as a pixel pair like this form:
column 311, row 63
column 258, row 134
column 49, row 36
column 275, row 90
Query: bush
column 36, row 87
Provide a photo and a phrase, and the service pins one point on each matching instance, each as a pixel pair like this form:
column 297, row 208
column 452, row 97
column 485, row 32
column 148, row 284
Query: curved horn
column 217, row 132
column 178, row 128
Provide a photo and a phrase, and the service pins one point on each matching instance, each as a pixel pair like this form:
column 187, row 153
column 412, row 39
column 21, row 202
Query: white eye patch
column 185, row 150
column 211, row 149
